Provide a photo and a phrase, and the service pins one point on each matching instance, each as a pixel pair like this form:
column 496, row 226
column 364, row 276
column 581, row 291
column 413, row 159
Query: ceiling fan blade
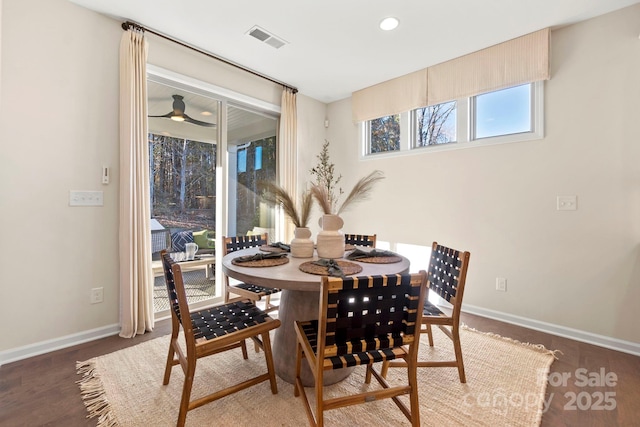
column 197, row 122
column 168, row 115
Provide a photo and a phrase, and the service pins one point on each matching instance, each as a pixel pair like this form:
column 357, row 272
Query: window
column 435, row 125
column 384, row 134
column 507, row 115
column 502, row 112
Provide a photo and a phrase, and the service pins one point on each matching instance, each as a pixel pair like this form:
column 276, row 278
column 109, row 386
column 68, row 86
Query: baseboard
column 19, row 353
column 562, row 331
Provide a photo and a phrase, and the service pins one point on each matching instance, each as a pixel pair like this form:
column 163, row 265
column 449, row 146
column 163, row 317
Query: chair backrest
column 448, row 273
column 369, row 312
column 360, row 239
column 177, row 295
column 236, row 243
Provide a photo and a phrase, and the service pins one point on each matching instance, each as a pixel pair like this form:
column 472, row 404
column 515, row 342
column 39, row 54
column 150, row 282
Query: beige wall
column 59, row 125
column 576, row 270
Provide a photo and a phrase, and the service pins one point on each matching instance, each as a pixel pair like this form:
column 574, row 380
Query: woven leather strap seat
column 446, row 277
column 361, row 321
column 208, row 332
column 247, row 290
column 226, row 319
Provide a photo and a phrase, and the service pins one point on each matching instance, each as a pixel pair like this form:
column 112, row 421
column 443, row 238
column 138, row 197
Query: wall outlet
column 501, row 284
column 97, row 295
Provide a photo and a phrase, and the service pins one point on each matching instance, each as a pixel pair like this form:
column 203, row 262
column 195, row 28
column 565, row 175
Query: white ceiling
column 335, row 46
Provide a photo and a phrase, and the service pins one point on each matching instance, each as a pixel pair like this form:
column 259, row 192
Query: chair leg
column 243, row 346
column 430, row 334
column 384, row 369
column 320, row 398
column 170, row 356
column 412, row 373
column 296, row 390
column 186, row 394
column 458, row 351
column 268, row 355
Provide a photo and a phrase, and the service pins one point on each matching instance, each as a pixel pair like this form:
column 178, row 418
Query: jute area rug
column 506, row 382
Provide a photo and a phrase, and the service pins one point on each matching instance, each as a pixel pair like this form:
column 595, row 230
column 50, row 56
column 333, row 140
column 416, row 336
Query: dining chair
column 446, row 277
column 210, row 331
column 363, row 320
column 247, row 290
column 360, row 240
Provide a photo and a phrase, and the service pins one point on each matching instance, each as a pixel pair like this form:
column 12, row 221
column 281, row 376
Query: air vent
column 266, row 37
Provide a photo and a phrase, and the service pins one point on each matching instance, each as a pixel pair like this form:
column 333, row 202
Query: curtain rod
column 128, row 24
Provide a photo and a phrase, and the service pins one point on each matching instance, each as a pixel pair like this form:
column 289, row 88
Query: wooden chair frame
column 361, row 316
column 200, row 342
column 360, row 239
column 447, row 277
column 253, row 292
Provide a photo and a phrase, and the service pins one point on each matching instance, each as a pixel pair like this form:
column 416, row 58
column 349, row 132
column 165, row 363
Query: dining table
column 300, row 300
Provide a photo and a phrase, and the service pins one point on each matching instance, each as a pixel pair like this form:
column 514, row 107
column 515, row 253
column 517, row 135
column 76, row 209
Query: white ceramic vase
column 302, row 244
column 330, row 238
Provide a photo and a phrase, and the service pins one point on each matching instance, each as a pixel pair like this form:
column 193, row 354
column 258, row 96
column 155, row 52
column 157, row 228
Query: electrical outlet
column 97, row 295
column 567, row 203
column 501, row 284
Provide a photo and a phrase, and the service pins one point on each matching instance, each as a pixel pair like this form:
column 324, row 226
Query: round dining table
column 299, row 300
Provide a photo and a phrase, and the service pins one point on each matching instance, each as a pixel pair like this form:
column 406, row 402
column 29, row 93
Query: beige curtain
column 288, row 156
column 136, row 276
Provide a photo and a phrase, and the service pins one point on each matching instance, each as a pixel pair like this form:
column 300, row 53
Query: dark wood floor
column 41, row 391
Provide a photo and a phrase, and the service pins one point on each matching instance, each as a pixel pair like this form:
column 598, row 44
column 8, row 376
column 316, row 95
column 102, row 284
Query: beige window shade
column 518, row 61
column 391, row 97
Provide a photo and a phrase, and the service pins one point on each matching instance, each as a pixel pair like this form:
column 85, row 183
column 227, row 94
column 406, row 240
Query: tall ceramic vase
column 302, row 244
column 330, row 238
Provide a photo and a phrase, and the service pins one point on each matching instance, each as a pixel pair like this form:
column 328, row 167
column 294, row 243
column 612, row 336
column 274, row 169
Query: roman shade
column 391, row 97
column 521, row 60
column 512, row 63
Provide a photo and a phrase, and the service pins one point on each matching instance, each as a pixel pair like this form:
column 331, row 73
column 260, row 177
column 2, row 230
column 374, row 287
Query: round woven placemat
column 349, row 247
column 275, row 249
column 347, row 268
column 380, row 259
column 268, row 262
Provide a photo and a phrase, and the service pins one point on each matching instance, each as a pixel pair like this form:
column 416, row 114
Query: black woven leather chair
column 363, row 320
column 360, row 240
column 210, row 331
column 447, row 276
column 247, row 290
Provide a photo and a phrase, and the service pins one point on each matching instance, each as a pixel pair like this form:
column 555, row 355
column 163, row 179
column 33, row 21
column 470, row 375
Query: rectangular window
column 384, row 134
column 503, row 112
column 435, row 124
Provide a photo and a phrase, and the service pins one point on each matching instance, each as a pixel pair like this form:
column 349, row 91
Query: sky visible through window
column 503, row 112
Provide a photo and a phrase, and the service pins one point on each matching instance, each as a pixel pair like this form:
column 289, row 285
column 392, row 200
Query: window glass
column 503, row 112
column 384, row 134
column 435, row 124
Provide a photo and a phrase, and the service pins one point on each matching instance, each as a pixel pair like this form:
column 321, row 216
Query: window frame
column 465, row 129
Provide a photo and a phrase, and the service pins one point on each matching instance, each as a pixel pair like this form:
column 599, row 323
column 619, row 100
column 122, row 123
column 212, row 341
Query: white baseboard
column 19, row 353
column 562, row 331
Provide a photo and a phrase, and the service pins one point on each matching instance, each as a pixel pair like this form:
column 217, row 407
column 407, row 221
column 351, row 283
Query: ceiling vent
column 266, row 37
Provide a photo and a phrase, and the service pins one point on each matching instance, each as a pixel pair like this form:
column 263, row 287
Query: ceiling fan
column 178, row 113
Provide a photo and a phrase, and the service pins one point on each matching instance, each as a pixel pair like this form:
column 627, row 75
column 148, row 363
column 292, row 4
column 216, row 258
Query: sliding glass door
column 207, row 155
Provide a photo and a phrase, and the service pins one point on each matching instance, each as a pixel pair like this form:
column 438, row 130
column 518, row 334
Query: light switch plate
column 86, row 198
column 567, row 203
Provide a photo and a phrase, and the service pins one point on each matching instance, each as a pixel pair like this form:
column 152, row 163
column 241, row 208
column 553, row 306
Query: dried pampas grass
column 273, row 193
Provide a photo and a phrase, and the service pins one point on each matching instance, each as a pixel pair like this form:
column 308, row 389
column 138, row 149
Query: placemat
column 268, row 262
column 347, row 268
column 349, row 247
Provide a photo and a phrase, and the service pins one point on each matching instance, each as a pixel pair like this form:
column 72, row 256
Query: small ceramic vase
column 302, row 244
column 330, row 238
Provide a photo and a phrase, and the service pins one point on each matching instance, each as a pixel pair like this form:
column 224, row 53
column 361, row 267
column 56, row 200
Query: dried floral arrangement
column 325, row 186
column 274, row 193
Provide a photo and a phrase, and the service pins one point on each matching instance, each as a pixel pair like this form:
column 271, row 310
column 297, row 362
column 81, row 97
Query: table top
column 289, row 275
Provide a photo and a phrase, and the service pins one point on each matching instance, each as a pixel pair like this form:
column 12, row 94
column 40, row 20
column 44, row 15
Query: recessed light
column 388, row 24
